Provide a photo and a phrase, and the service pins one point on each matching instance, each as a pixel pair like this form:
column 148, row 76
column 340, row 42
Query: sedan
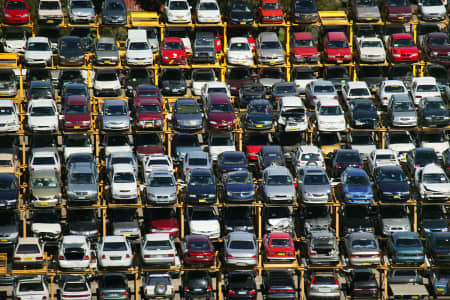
column 278, row 246
column 201, row 186
column 240, row 284
column 362, row 283
column 114, row 251
column 259, row 115
column 238, row 187
column 115, row 115
column 70, row 51
column 406, row 248
column 230, row 161
column 391, row 184
column 114, row 285
column 197, row 250
column 362, row 248
column 356, row 186
column 239, row 52
column 345, row 158
column 241, row 249
column 323, row 285
column 438, row 248
column 187, row 115
column 158, row 249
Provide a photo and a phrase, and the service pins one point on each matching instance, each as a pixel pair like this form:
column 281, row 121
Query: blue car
column 201, row 187
column 391, row 184
column 230, row 161
column 238, row 187
column 259, row 115
column 356, row 186
column 440, row 280
column 406, row 248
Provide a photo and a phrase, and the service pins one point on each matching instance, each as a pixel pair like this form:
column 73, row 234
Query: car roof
column 314, row 170
column 319, row 234
column 186, row 101
column 198, row 154
column 173, row 40
column 336, row 35
column 276, row 235
column 291, row 101
column 74, row 239
column 38, row 39
column 219, row 98
column 362, row 235
column 303, row 35
column 114, row 102
column 160, row 236
column 122, row 168
column 268, row 36
column 357, row 84
column 200, row 171
column 355, row 172
column 106, row 39
column 426, row 79
column 114, row 238
column 401, row 36
column 277, row 170
column 329, row 102
column 309, row 149
column 432, row 168
column 240, row 235
column 405, row 234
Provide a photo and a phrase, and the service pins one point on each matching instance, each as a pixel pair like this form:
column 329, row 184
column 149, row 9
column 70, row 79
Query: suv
column 33, row 287
column 204, row 48
column 365, row 10
column 50, row 12
column 278, row 284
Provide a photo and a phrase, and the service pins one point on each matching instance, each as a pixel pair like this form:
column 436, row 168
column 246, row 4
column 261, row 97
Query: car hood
column 434, row 224
column 404, row 114
column 162, row 190
column 140, row 53
column 401, row 147
column 358, row 189
column 259, row 117
column 116, row 119
column 37, row 54
column 189, row 117
column 269, row 82
column 125, row 226
column 438, row 147
column 201, row 189
column 270, row 13
column 405, row 50
column 316, row 189
column 83, row 11
column 368, row 12
column 438, row 187
column 394, row 187
column 71, row 52
column 239, row 188
column 221, row 116
column 16, row 12
column 83, row 187
column 305, row 50
column 435, row 112
column 186, row 149
column 364, row 149
column 271, row 52
column 149, row 116
column 106, row 54
column 9, row 195
column 47, row 192
column 365, row 115
column 339, row 52
column 435, row 9
column 77, row 117
column 395, row 221
column 239, row 15
column 204, row 224
column 399, row 9
column 8, row 229
column 441, row 49
column 174, row 53
column 279, row 190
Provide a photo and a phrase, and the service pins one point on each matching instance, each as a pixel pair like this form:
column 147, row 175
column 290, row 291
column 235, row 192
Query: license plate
column 202, row 200
column 2, row 93
column 107, row 61
column 369, row 19
column 44, row 203
column 28, row 258
column 374, row 90
column 281, row 254
column 272, row 62
column 396, row 197
column 440, row 289
column 259, row 126
column 340, row 61
column 240, row 62
column 149, row 125
column 208, row 20
column 50, row 21
column 140, row 62
column 292, row 128
column 243, row 23
column 401, row 18
column 365, row 263
column 126, row 235
column 3, row 240
column 242, row 293
column 180, row 20
column 76, row 127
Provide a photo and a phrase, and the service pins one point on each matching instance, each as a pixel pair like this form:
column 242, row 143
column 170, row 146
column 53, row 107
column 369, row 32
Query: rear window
column 31, row 287
column 115, row 246
column 43, row 161
column 329, row 280
column 241, row 245
column 27, row 249
column 158, row 245
column 198, row 161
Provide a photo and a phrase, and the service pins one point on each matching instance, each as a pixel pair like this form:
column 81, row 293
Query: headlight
column 387, row 194
column 8, row 15
column 435, row 53
column 252, row 193
column 212, row 196
column 229, row 194
column 213, row 122
column 426, row 229
column 25, row 15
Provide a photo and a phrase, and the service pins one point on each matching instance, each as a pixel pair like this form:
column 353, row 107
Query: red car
column 162, row 219
column 401, row 47
column 77, row 113
column 253, row 144
column 148, row 114
column 271, row 12
column 436, row 46
column 198, row 250
column 303, row 48
column 220, row 112
column 173, row 51
column 16, row 12
column 248, row 33
column 146, row 91
column 147, row 144
column 279, row 246
column 336, row 48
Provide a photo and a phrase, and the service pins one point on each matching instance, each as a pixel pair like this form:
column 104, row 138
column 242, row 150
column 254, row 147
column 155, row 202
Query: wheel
column 160, row 288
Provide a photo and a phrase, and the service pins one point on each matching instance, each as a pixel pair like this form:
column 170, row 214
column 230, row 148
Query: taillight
column 170, row 255
column 229, row 256
column 186, row 288
column 18, row 298
column 335, row 97
column 314, row 97
column 39, row 258
column 44, row 297
column 145, row 291
column 103, row 256
column 230, row 292
column 86, row 257
column 16, row 258
column 125, row 293
column 61, row 257
column 147, row 256
column 252, row 292
column 360, row 165
column 127, row 256
column 339, row 165
column 102, row 294
column 209, row 288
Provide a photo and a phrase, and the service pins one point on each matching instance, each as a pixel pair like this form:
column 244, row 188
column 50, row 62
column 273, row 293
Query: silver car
column 241, row 249
column 318, row 90
column 81, row 11
column 115, row 115
column 106, row 52
column 322, row 248
column 362, row 248
column 323, row 285
column 402, row 111
column 196, row 160
column 366, row 10
column 269, row 50
column 394, row 218
column 82, row 183
column 278, row 185
column 120, row 157
column 314, row 185
column 161, row 187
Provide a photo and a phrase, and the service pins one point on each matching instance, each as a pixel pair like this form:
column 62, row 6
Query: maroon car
column 146, row 91
column 220, row 112
column 148, row 114
column 237, row 77
column 161, row 219
column 77, row 113
column 398, row 11
column 198, row 250
column 147, row 143
column 437, row 48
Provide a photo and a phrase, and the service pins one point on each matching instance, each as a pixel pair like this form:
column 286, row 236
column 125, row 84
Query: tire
column 160, row 288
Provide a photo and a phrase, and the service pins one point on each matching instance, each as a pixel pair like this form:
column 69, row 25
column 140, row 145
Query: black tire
column 160, row 288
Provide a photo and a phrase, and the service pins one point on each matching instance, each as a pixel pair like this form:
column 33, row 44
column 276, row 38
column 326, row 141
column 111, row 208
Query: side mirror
column 61, row 117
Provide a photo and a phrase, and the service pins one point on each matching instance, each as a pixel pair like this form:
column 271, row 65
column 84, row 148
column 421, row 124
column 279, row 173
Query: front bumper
column 50, row 19
column 404, row 123
column 9, row 128
column 305, row 59
column 408, row 259
column 82, row 19
column 77, row 125
column 108, row 92
column 305, row 18
column 402, row 18
column 240, row 61
column 395, row 197
column 145, row 61
column 44, row 203
column 271, row 60
column 222, row 126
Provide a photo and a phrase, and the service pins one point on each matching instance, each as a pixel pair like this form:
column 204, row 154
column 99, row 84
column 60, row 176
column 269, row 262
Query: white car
column 106, row 83
column 123, row 183
column 77, row 144
column 177, row 11
column 422, row 87
column 371, row 50
column 158, row 249
column 240, row 249
column 215, row 87
column 208, row 11
column 390, row 87
column 307, row 155
column 42, row 115
column 121, row 158
column 199, row 78
column 74, row 252
column 44, row 159
column 432, row 10
column 438, row 141
column 291, row 114
column 239, row 52
column 432, row 183
column 31, row 288
column 139, row 52
column 14, row 41
column 156, row 162
column 401, row 142
column 38, row 52
column 29, row 252
column 50, row 11
column 117, row 143
column 382, row 157
column 157, row 286
column 219, row 142
column 330, row 116
column 203, row 220
column 9, row 118
column 355, row 90
column 74, row 287
column 114, row 251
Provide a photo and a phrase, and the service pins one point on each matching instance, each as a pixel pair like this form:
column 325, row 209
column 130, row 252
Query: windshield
column 270, row 45
column 7, row 185
column 123, row 177
column 82, row 4
column 49, row 5
column 398, row 3
column 117, row 140
column 322, row 242
column 217, row 108
column 76, row 109
column 338, row 44
column 173, row 46
column 400, row 139
column 324, row 89
column 208, row 6
column 240, row 178
column 435, row 178
column 203, row 76
column 201, row 180
column 260, row 108
column 46, row 182
column 240, row 7
column 385, row 157
column 31, row 287
column 303, row 43
column 432, row 3
column 408, row 242
column 234, row 159
column 364, row 244
column 147, row 93
column 161, row 181
column 75, row 287
column 122, row 160
column 70, row 44
column 236, row 244
column 358, row 180
column 16, row 5
column 366, row 3
column 364, row 107
column 407, row 42
column 38, row 47
column 425, row 88
column 106, row 47
column 304, row 75
column 279, row 180
column 149, row 108
column 106, row 77
column 138, row 46
column 14, row 35
column 433, row 138
column 271, row 73
column 403, row 106
column 42, row 111
column 359, row 92
column 115, row 110
column 74, row 91
column 330, row 110
column 372, row 44
column 439, row 41
column 178, row 5
column 188, row 109
column 394, row 89
column 221, row 141
column 434, row 105
column 239, row 47
column 82, row 178
column 319, row 179
column 6, row 111
column 115, row 246
column 115, row 6
column 392, row 176
column 285, row 89
column 158, row 245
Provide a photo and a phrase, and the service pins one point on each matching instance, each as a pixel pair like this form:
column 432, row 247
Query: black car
column 433, row 112
column 402, row 72
column 283, row 89
column 269, row 155
column 204, row 50
column 240, row 285
column 201, row 187
column 249, row 92
column 278, row 284
column 124, row 221
column 196, row 284
column 87, row 36
column 68, row 76
column 259, row 115
column 363, row 113
column 9, row 191
column 345, row 158
column 304, row 11
column 419, row 158
column 356, row 218
column 83, row 222
column 37, row 75
column 114, row 12
column 362, row 283
column 187, row 114
column 241, row 12
column 372, row 75
column 79, row 157
column 70, row 51
column 338, row 75
column 172, row 82
column 238, row 218
column 51, row 217
column 391, row 184
column 9, row 227
column 182, row 143
column 437, row 246
column 40, row 90
column 136, row 77
column 432, row 218
column 237, row 77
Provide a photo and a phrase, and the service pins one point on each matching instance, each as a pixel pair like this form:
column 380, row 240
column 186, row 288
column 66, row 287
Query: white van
column 291, row 114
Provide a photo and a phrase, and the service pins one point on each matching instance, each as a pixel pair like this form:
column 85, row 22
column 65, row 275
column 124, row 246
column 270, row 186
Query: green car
column 113, row 286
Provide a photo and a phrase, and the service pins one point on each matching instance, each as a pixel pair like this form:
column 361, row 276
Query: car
column 201, row 187
column 356, row 218
column 114, row 252
column 9, row 227
column 382, row 157
column 277, row 219
column 402, row 112
column 439, row 280
column 115, row 115
column 432, row 183
column 304, row 11
column 87, row 36
column 238, row 187
column 241, row 12
column 315, row 218
column 187, row 115
column 204, row 46
column 74, row 89
column 203, row 220
column 135, row 77
column 345, row 158
column 388, row 88
column 322, row 284
column 161, row 188
column 259, row 115
column 158, row 285
column 148, row 114
column 74, row 286
column 270, row 155
column 230, row 161
column 365, row 11
column 270, row 76
column 442, row 77
column 172, row 82
column 253, row 144
column 161, row 219
column 278, row 246
column 198, row 251
column 301, row 76
column 322, row 248
column 114, row 12
column 106, row 51
column 283, row 89
column 405, row 248
column 220, row 112
column 138, row 50
column 81, row 11
column 401, row 48
column 313, row 185
column 431, row 10
column 422, row 87
column 437, row 246
column 308, row 155
column 271, row 12
column 337, row 75
column 239, row 52
column 158, row 249
column 14, row 40
column 42, row 115
column 70, row 51
column 240, row 283
column 106, row 83
column 269, row 50
column 238, row 219
column 371, row 50
column 303, row 48
column 173, row 51
column 196, row 160
column 329, row 116
column 372, row 75
column 185, row 143
column 362, row 248
column 46, row 224
column 196, row 283
column 391, row 184
column 123, row 183
column 208, row 11
column 41, row 159
column 420, row 157
column 436, row 47
column 401, row 72
column 356, row 186
column 278, row 186
column 68, row 76
column 74, row 252
column 8, row 83
column 82, row 183
column 83, row 222
column 363, row 113
column 16, row 12
column 77, row 113
column 355, row 90
column 213, row 88
column 113, row 285
column 146, row 92
column 9, row 115
column 398, row 11
column 401, row 142
column 9, row 164
column 320, row 90
column 124, row 221
column 156, row 162
column 30, row 287
column 433, row 112
column 50, row 11
column 121, row 157
column 336, row 48
column 240, row 249
column 199, row 78
column 362, row 283
column 29, row 252
column 38, row 52
column 219, row 142
column 177, row 11
column 436, row 140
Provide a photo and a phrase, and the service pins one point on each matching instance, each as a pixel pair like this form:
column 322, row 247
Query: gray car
column 114, row 12
column 82, row 183
column 204, row 48
column 241, row 249
column 323, row 285
column 187, row 114
column 161, row 187
column 365, row 10
column 196, row 160
column 106, row 52
column 124, row 221
column 45, row 188
column 393, row 219
column 322, row 248
column 81, row 11
column 115, row 115
column 402, row 111
column 269, row 50
column 362, row 248
column 9, row 228
column 314, row 185
column 278, row 185
column 316, row 218
column 318, row 90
